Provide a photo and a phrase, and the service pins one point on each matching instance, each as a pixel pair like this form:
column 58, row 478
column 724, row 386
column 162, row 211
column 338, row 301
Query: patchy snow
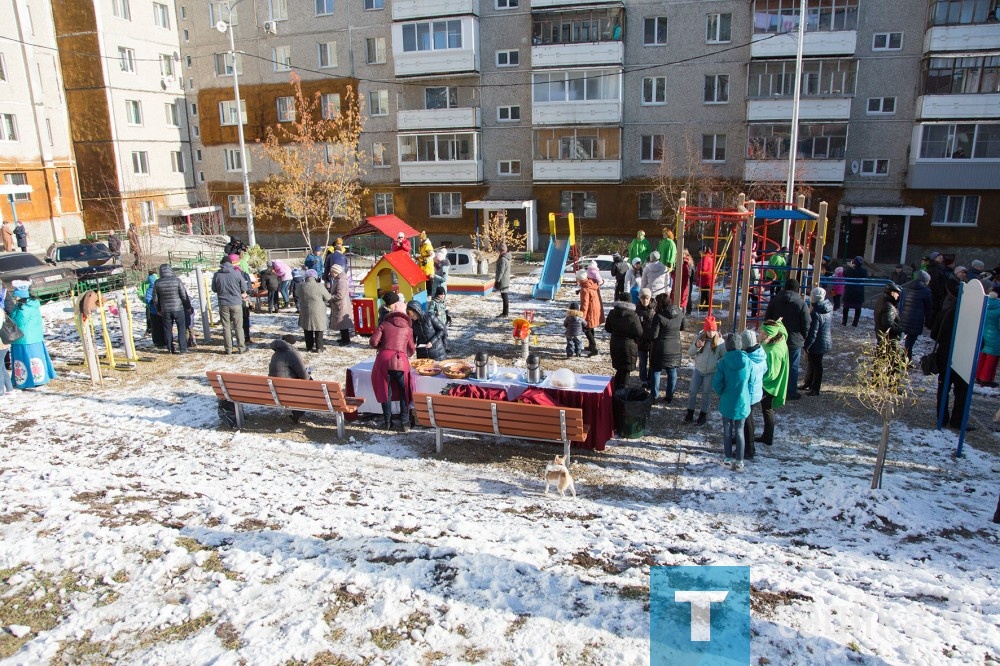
column 135, row 528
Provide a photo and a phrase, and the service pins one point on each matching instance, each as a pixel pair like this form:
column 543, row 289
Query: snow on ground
column 136, row 529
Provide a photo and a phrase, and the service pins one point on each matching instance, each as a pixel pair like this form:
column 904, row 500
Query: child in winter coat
column 732, row 382
column 574, row 323
column 707, row 349
column 439, row 309
column 837, row 290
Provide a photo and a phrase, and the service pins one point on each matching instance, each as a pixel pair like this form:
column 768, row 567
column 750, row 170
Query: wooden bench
column 299, row 394
column 517, row 420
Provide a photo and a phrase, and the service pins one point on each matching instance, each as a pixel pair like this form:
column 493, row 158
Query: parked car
column 46, row 280
column 92, row 263
column 604, row 263
column 467, row 262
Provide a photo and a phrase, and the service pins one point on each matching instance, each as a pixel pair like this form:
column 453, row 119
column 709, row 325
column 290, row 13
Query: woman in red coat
column 592, row 308
column 706, row 276
column 685, row 269
column 394, row 341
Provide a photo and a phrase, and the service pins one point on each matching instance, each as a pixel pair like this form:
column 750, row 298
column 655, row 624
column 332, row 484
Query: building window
column 324, row 7
column 329, row 105
column 962, row 76
column 18, row 179
column 510, row 58
column 237, row 205
column 817, row 141
column 126, row 59
column 3, row 69
column 713, row 147
column 378, row 103
column 874, row 167
column 581, row 204
column 506, row 4
column 380, row 156
column 227, row 112
column 224, row 64
column 446, row 204
column 887, row 41
column 187, row 38
column 654, row 31
column 578, row 143
column 432, row 36
column 650, row 205
column 161, row 15
column 719, row 28
column 327, row 54
column 651, row 148
column 440, row 98
column 166, row 65
column 881, row 106
column 508, row 114
column 282, row 57
column 375, row 50
column 444, row 147
column 234, row 159
column 654, row 90
column 177, row 161
column 955, row 210
column 576, row 85
column 776, row 16
column 278, row 10
column 509, row 168
column 820, row 77
column 183, row 12
column 194, row 109
column 196, row 131
column 286, row 109
column 964, row 12
column 577, row 26
column 140, row 163
column 133, row 111
column 147, row 211
column 120, row 9
column 217, row 11
column 960, row 141
column 197, row 155
column 201, row 176
column 383, row 203
column 717, row 89
column 374, row 4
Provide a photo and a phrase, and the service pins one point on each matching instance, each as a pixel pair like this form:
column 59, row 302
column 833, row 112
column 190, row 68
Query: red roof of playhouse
column 402, row 263
column 390, row 225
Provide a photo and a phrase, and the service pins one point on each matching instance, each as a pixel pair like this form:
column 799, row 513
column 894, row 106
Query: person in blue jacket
column 757, row 358
column 154, row 322
column 819, row 341
column 30, row 364
column 732, row 384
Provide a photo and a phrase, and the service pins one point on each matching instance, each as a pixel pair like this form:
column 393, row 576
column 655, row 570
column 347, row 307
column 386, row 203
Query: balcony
column 962, row 37
column 549, row 4
column 807, row 171
column 572, row 55
column 407, row 10
column 840, row 42
column 827, row 108
column 946, row 107
column 953, row 174
column 575, row 113
column 436, row 47
column 582, row 171
column 435, row 119
column 452, row 172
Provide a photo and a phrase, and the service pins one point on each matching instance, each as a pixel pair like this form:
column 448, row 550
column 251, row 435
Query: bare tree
column 316, row 180
column 495, row 230
column 120, row 207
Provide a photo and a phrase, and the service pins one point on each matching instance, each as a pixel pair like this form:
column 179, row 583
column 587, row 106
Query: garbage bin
column 631, row 409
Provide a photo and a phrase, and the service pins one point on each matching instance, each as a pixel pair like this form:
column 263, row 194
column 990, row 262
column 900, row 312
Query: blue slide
column 552, row 270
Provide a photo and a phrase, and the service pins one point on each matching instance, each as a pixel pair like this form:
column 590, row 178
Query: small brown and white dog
column 556, row 473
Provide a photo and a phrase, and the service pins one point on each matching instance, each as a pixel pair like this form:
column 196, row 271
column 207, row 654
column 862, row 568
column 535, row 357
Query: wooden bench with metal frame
column 501, row 418
column 294, row 394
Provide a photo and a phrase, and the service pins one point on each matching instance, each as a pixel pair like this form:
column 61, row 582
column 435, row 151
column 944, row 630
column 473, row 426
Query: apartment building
column 538, row 106
column 125, row 94
column 39, row 184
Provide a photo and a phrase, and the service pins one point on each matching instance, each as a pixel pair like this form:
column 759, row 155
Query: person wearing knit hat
column 592, row 308
column 437, row 307
column 854, row 291
column 916, row 309
column 711, row 325
column 645, row 310
column 230, row 289
column 819, row 340
column 633, row 280
column 757, row 359
column 389, row 301
column 655, row 275
column 775, row 383
column 313, row 298
column 962, row 273
column 501, row 280
column 401, row 243
column 706, row 349
column 315, row 259
column 888, row 325
column 731, row 382
column 340, row 307
column 30, row 364
column 336, row 257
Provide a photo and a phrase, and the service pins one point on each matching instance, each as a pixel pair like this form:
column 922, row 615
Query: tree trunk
column 880, row 459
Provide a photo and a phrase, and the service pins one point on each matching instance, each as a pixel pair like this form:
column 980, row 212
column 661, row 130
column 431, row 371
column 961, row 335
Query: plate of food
column 455, row 369
column 419, row 364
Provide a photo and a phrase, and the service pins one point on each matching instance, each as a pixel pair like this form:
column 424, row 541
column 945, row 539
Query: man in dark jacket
column 171, row 300
column 501, row 279
column 854, row 294
column 115, row 246
column 888, row 326
column 916, row 308
column 428, row 332
column 791, row 309
column 942, row 332
column 939, row 275
column 286, row 362
column 625, row 328
column 230, row 287
column 619, row 267
column 269, row 280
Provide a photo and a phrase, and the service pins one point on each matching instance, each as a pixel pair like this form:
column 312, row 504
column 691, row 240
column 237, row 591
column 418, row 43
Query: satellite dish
column 222, row 26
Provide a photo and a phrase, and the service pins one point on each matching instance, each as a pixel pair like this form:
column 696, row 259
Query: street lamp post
column 227, row 26
column 796, row 100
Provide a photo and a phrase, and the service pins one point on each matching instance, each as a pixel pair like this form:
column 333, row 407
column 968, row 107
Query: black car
column 93, row 263
column 47, row 281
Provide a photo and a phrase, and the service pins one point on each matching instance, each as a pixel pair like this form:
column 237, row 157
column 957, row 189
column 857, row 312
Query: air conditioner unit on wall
column 271, row 27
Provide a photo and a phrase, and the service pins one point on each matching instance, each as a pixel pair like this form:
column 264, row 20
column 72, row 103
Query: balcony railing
column 433, row 119
column 954, row 175
column 834, row 108
column 843, row 42
column 808, row 171
column 577, row 171
column 406, row 10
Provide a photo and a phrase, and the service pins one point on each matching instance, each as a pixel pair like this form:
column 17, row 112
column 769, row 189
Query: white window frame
column 166, row 65
column 285, row 109
column 648, row 148
column 422, row 34
column 197, row 155
column 327, row 9
column 176, row 161
column 589, row 203
column 282, row 57
column 656, row 31
column 509, row 111
column 328, row 110
column 161, row 15
column 378, row 103
column 140, row 162
column 506, row 4
column 508, row 168
column 504, row 58
column 126, row 59
column 217, row 12
column 3, row 69
column 375, row 51
column 147, row 211
column 195, row 131
column 959, row 200
column 374, row 5
column 194, row 108
column 380, row 159
column 224, row 63
column 384, row 204
column 18, row 178
column 655, row 205
column 233, row 160
column 870, row 167
column 713, row 33
column 277, row 10
column 227, row 107
column 656, row 84
column 120, row 9
column 887, row 37
column 717, row 89
column 443, row 204
column 327, row 50
column 201, row 176
column 450, row 97
column 133, row 112
column 236, row 202
column 714, row 148
column 881, row 106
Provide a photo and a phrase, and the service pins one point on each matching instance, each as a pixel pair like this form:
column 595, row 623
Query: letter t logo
column 701, row 610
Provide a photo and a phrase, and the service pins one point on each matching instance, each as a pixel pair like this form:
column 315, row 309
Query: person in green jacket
column 667, row 249
column 639, row 247
column 773, row 335
column 776, row 273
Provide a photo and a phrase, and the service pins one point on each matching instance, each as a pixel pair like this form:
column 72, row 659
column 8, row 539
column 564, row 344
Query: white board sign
column 968, row 322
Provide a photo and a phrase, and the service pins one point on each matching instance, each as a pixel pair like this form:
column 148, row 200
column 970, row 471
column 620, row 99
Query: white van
column 467, row 262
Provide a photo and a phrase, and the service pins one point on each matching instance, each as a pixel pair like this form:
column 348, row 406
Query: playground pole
column 820, row 240
column 206, row 320
column 679, row 240
column 747, row 280
column 735, row 264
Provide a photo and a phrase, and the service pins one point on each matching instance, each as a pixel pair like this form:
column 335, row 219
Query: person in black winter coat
column 286, row 362
column 625, row 328
column 645, row 309
column 428, row 332
column 916, row 308
column 789, row 306
column 664, row 334
column 171, row 300
column 270, row 281
column 888, row 326
column 115, row 246
column 854, row 294
column 619, row 267
column 819, row 341
column 234, row 246
column 942, row 332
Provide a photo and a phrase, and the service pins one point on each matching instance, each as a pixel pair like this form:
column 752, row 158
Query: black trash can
column 631, row 409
